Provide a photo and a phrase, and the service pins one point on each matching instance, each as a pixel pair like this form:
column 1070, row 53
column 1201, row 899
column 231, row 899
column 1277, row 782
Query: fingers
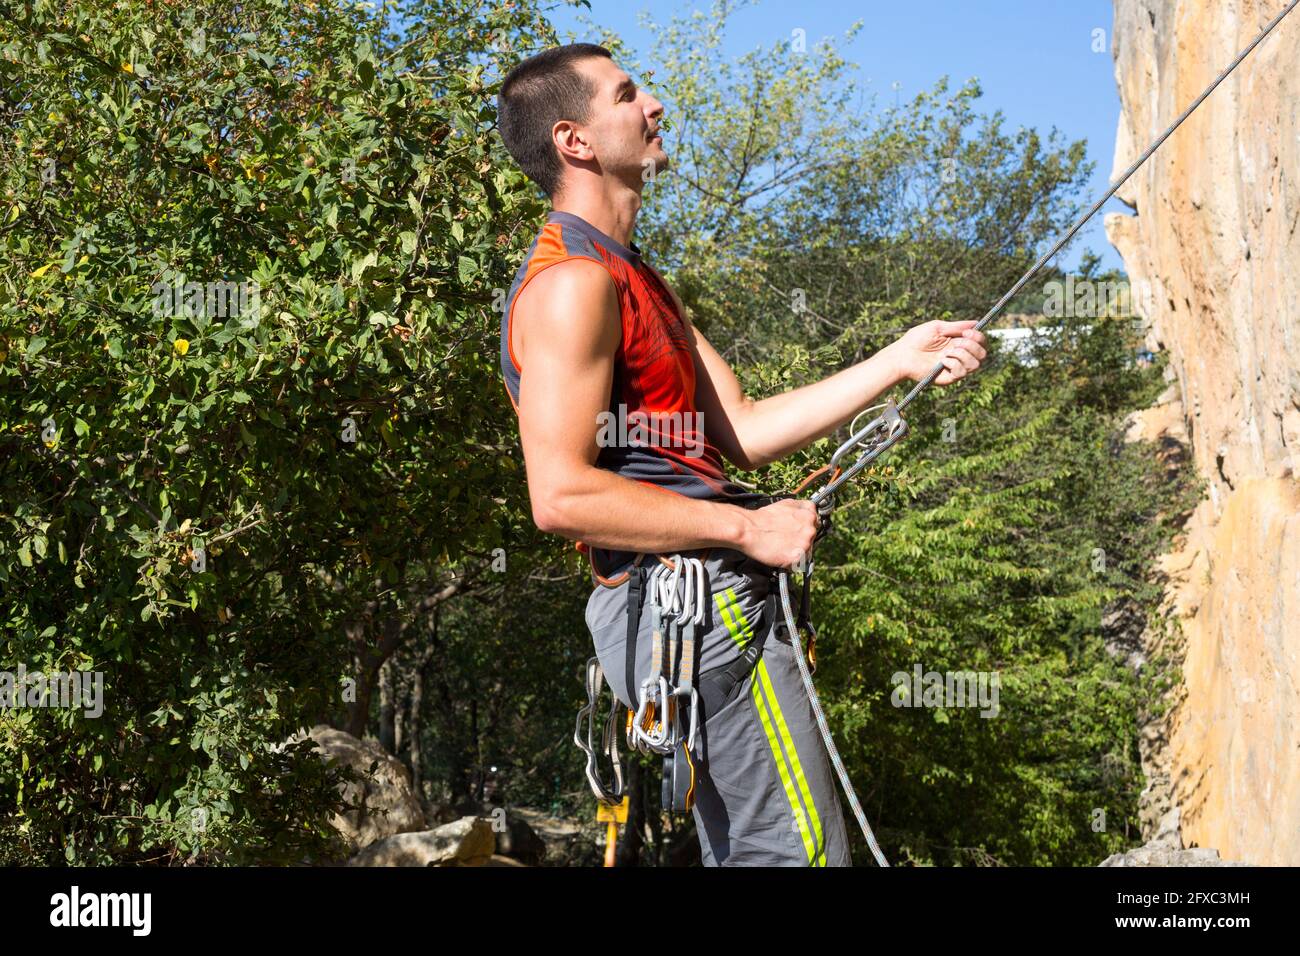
column 977, row 342
column 965, row 351
column 787, row 531
column 955, row 370
column 959, row 363
column 956, row 328
column 800, row 562
column 968, row 353
column 963, row 357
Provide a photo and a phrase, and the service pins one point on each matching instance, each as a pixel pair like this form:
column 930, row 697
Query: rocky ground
column 394, row 830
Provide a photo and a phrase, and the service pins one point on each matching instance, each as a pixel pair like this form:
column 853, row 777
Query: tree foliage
column 236, row 514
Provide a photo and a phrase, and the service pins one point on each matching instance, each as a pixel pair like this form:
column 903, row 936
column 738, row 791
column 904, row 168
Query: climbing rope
column 783, row 581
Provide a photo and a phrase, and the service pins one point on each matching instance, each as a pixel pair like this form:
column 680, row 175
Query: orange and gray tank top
column 652, row 432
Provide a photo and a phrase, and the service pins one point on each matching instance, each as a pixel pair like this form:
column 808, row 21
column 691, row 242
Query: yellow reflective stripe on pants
column 725, row 601
column 778, row 735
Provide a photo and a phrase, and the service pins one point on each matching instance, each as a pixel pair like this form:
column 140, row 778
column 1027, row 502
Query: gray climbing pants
column 765, row 791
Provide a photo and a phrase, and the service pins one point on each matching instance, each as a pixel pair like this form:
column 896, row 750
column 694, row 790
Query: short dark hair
column 537, row 94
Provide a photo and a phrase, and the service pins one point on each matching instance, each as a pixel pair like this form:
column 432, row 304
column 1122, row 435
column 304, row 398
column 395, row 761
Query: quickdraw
column 611, row 799
column 666, row 720
column 659, row 696
column 611, row 793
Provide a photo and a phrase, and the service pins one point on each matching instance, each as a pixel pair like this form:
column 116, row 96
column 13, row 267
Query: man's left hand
column 956, row 344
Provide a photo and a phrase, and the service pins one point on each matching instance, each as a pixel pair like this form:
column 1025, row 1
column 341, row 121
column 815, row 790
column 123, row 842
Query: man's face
column 624, row 123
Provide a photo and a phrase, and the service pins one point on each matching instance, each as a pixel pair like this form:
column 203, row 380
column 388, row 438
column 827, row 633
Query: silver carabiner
column 890, row 429
column 888, row 419
column 694, row 584
column 648, row 740
column 670, row 586
column 695, row 719
column 701, row 592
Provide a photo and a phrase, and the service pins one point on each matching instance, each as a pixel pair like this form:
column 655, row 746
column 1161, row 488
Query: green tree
column 237, row 512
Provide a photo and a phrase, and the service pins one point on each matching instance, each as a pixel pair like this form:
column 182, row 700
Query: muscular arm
column 755, row 433
column 567, row 333
column 752, row 434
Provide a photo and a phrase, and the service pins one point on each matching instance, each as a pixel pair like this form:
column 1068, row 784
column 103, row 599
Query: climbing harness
column 657, row 724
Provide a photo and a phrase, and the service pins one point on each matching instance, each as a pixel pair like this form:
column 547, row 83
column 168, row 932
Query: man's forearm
column 777, row 426
column 606, row 510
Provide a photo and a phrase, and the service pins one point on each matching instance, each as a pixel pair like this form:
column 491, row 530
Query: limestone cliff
column 1214, row 230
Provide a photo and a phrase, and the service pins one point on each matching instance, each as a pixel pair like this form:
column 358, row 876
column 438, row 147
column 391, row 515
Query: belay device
column 668, row 701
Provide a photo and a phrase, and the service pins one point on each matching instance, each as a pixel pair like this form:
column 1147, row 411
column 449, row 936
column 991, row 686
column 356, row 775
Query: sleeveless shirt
column 652, row 432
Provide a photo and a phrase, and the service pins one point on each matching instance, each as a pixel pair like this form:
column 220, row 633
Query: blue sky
column 1034, row 59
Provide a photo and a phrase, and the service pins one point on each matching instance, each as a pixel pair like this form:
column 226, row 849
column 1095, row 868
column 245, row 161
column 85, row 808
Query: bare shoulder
column 574, row 300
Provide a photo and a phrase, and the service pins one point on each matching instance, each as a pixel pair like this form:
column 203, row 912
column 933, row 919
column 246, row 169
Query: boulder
column 387, row 803
column 467, row 842
column 516, row 838
column 1164, row 856
column 565, row 842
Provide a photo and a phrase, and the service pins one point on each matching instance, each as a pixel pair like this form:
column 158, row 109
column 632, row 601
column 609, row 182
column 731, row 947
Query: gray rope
column 783, row 579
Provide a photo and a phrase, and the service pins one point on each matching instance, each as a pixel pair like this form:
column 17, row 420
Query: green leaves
column 252, row 152
column 360, row 266
column 366, row 73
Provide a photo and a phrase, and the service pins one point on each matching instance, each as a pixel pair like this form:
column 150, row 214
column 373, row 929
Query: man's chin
column 655, row 159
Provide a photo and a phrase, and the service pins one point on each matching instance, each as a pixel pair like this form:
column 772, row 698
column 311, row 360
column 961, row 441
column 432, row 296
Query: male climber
column 590, row 328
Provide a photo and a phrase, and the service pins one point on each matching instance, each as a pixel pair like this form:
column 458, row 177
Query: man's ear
column 571, row 141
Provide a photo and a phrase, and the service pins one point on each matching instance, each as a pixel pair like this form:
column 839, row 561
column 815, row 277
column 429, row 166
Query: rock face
column 1215, row 237
column 1166, row 850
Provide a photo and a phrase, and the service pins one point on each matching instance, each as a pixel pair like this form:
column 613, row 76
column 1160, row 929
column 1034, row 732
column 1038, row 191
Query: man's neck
column 614, row 215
